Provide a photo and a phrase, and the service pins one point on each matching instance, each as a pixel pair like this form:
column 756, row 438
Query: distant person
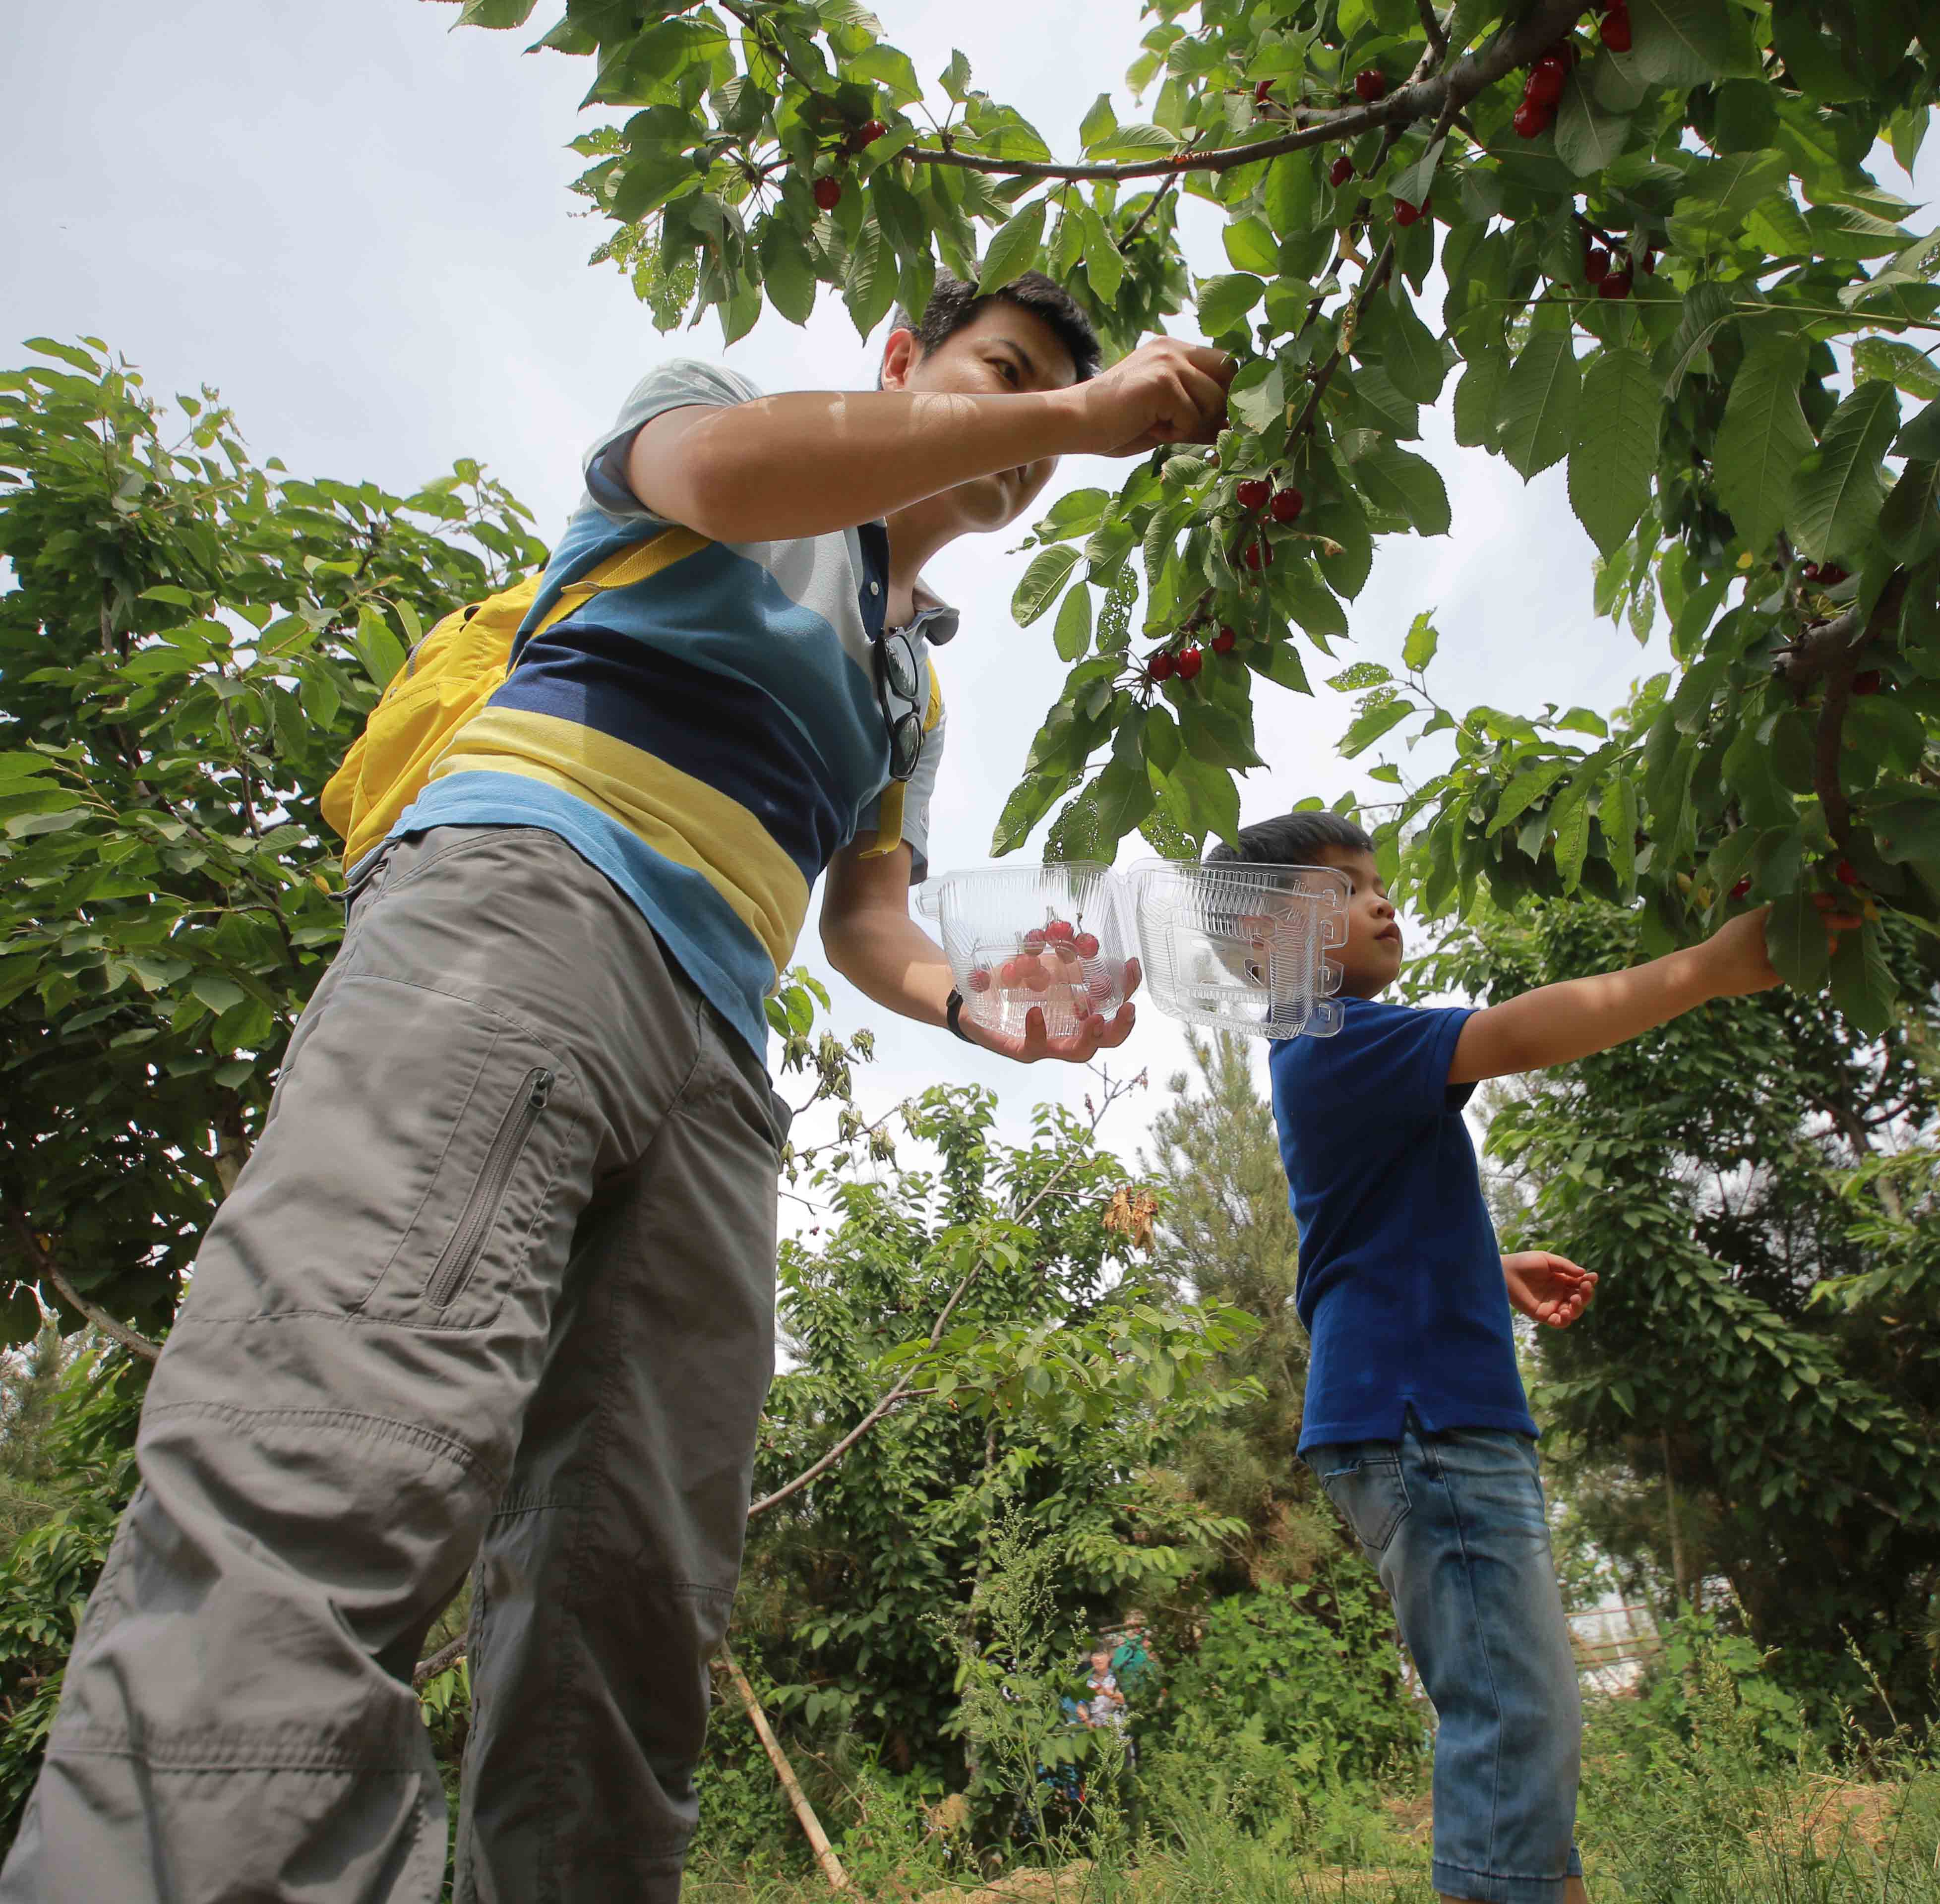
column 1107, row 1709
column 1416, row 1421
column 1133, row 1664
column 497, row 1284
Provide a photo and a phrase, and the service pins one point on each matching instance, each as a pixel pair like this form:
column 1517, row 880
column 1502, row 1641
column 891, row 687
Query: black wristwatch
column 953, row 1015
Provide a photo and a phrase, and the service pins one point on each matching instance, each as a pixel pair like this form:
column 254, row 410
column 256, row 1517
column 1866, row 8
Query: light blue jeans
column 1455, row 1524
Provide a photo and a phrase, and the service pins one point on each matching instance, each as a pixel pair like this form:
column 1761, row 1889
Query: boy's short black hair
column 953, row 305
column 1292, row 839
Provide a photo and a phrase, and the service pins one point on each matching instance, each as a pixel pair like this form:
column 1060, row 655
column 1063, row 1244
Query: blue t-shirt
column 1400, row 1282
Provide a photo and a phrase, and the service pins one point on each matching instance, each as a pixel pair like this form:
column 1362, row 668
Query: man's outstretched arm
column 814, row 462
column 872, row 941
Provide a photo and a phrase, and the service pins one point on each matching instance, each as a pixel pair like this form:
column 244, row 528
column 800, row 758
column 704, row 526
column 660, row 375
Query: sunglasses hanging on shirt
column 901, row 694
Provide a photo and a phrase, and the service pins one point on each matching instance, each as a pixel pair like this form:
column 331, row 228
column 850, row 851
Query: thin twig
column 1437, row 38
column 132, row 1340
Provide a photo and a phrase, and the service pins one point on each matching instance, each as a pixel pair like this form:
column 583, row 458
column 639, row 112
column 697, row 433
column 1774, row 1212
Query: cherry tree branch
column 1423, row 98
column 44, row 1264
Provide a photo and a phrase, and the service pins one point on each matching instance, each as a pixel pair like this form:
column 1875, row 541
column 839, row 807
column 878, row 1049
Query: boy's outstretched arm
column 1558, row 1023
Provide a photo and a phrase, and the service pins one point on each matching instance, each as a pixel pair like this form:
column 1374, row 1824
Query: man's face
column 1002, row 351
column 1371, row 960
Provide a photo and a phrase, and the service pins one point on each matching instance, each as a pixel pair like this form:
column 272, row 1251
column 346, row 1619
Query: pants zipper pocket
column 454, row 1268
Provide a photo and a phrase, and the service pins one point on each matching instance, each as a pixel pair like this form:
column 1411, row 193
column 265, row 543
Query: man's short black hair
column 1293, row 839
column 953, row 305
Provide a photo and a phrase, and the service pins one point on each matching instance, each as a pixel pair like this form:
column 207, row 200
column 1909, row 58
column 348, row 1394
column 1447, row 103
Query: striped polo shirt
column 707, row 733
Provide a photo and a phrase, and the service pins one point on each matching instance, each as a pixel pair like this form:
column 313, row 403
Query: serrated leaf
column 1920, row 439
column 1224, row 302
column 1396, row 480
column 1525, row 790
column 1888, row 359
column 1417, row 649
column 1571, row 819
column 1290, row 194
column 1073, row 633
column 1049, row 570
column 1587, row 137
column 1617, row 814
column 1679, row 42
column 869, row 285
column 1863, row 985
column 1098, row 123
column 1795, row 935
column 1538, row 413
column 1836, row 498
column 1761, row 440
column 1611, row 462
column 1478, row 398
column 1104, row 264
column 496, row 13
column 1250, row 246
column 1015, row 249
column 1372, row 722
column 955, row 78
column 1135, row 139
column 1029, row 801
column 1409, row 352
column 1257, row 397
column 1909, row 518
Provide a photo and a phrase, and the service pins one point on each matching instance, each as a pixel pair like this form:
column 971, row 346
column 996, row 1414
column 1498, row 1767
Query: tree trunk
column 1682, row 1589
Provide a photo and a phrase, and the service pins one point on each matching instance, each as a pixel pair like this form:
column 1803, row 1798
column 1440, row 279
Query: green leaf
column 787, row 276
column 1887, row 360
column 1909, row 520
column 1920, row 439
column 1618, row 816
column 1030, row 800
column 1291, row 194
column 1795, row 935
column 1409, row 352
column 1098, row 123
column 1258, row 398
column 1104, row 262
column 381, row 653
column 1525, row 790
column 869, row 287
column 1250, row 246
column 955, row 78
column 1539, row 412
column 1571, row 819
column 1049, row 570
column 1836, row 498
column 1863, row 985
column 1015, row 249
column 1588, row 138
column 1396, row 480
column 1679, row 42
column 1072, row 634
column 1135, row 140
column 1762, row 439
column 1418, row 650
column 1224, row 302
column 1615, row 454
column 1372, row 722
column 1479, row 400
column 497, row 14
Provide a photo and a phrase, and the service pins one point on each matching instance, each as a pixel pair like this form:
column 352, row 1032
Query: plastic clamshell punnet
column 1241, row 948
column 1023, row 937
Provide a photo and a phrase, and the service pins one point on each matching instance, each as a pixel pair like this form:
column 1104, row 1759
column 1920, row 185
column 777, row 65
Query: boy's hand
column 1165, row 391
column 1735, row 960
column 1548, row 1288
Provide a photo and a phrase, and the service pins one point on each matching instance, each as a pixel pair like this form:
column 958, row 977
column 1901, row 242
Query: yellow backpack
column 450, row 676
column 458, row 667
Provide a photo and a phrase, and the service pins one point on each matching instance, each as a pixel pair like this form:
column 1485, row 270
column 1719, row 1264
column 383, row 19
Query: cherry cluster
column 1827, row 574
column 1055, row 953
column 1534, row 117
column 828, row 189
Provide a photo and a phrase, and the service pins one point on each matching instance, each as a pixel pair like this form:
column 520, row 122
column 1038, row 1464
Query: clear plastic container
column 1240, row 948
column 1020, row 937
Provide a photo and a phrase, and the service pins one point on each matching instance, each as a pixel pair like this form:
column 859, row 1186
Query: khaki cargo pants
column 497, row 1285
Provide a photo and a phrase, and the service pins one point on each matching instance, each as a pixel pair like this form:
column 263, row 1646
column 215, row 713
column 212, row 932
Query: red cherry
column 1253, row 492
column 1810, row 571
column 1060, row 932
column 828, row 193
column 1339, row 172
column 1222, row 644
column 1258, row 556
column 1370, row 83
column 1597, row 265
column 872, row 131
column 1650, row 264
column 1085, row 945
column 1191, row 661
column 1406, row 214
column 1743, row 886
column 1263, row 92
column 1616, row 29
column 1009, row 973
column 1830, row 574
column 1866, row 684
column 1287, row 506
column 1160, row 667
column 1036, row 979
column 1545, row 81
column 1616, row 286
column 1846, row 874
column 1034, row 938
column 1531, row 121
column 979, row 980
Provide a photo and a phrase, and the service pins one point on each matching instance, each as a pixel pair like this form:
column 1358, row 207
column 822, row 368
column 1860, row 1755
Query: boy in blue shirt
column 1415, row 1420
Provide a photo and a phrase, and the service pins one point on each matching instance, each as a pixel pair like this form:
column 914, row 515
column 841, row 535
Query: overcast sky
column 356, row 223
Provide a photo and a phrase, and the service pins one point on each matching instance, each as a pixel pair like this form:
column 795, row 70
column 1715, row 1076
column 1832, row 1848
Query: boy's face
column 1001, row 352
column 1101, row 1659
column 1371, row 960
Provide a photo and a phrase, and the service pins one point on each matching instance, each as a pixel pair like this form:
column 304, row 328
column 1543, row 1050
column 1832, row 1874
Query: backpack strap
column 634, row 563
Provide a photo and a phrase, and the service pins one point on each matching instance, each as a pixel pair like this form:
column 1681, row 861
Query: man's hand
column 1165, row 391
column 1079, row 1047
column 1547, row 1288
column 1735, row 960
